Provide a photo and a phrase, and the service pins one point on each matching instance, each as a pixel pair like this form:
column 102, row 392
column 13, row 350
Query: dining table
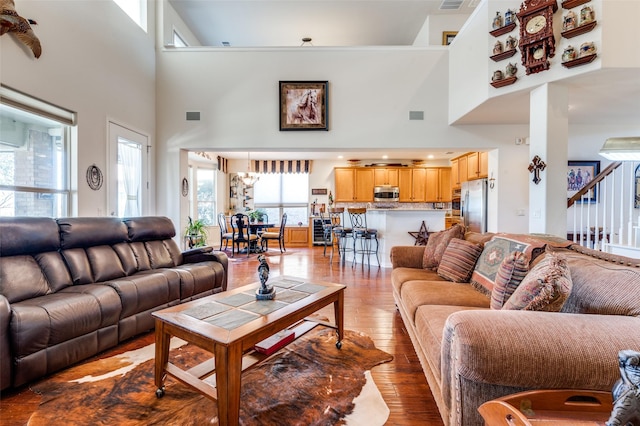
column 256, row 228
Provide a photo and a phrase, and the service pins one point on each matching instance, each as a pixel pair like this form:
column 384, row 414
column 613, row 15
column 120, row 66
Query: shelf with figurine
column 503, row 26
column 582, row 29
column 571, row 58
column 500, row 79
column 501, row 52
column 571, row 27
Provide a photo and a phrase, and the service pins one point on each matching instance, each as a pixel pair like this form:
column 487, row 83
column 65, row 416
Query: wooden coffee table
column 228, row 325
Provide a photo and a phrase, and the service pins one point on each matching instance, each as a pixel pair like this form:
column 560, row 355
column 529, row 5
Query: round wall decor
column 185, row 187
column 94, row 177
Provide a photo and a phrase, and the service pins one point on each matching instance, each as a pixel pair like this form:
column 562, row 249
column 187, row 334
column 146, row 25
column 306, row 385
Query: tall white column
column 548, row 139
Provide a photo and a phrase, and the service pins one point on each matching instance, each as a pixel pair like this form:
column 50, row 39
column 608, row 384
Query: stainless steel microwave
column 386, row 193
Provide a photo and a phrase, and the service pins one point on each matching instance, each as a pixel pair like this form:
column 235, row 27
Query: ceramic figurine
column 511, row 43
column 497, row 21
column 511, row 70
column 586, row 15
column 508, row 17
column 626, row 390
column 568, row 54
column 497, row 47
column 569, row 21
column 497, row 75
column 587, row 48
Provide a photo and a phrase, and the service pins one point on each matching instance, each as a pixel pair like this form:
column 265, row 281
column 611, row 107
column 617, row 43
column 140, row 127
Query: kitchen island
column 394, row 225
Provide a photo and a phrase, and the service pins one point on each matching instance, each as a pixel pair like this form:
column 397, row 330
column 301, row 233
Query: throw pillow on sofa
column 437, row 244
column 458, row 260
column 500, row 246
column 512, row 271
column 545, row 288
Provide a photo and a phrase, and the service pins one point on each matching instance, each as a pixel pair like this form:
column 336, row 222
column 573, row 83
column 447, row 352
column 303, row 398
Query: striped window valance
column 282, row 166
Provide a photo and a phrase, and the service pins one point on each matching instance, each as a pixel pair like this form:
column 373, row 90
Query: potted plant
column 196, row 232
column 257, row 215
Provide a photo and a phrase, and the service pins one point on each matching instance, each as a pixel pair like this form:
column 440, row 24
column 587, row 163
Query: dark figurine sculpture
column 626, row 391
column 265, row 292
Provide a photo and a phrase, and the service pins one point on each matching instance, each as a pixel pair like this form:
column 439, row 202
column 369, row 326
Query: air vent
column 416, row 115
column 450, row 4
column 193, row 116
column 226, row 44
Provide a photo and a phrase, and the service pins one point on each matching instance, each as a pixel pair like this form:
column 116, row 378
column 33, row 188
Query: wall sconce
column 492, row 181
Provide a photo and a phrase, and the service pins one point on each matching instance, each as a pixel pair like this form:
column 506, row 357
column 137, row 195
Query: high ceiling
column 610, row 96
column 281, row 23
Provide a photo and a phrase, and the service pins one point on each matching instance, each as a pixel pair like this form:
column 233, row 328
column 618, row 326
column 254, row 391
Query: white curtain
column 130, row 159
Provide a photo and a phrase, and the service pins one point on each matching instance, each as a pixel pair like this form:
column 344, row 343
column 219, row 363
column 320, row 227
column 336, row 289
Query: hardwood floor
column 369, row 308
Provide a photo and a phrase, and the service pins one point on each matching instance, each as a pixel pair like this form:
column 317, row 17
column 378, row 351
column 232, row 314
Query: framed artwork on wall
column 304, row 105
column 579, row 174
column 448, row 36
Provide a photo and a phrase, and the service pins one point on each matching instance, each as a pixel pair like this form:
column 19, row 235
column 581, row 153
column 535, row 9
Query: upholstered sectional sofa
column 73, row 287
column 474, row 348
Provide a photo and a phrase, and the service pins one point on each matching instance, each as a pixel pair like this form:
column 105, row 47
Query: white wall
column 431, row 32
column 95, row 61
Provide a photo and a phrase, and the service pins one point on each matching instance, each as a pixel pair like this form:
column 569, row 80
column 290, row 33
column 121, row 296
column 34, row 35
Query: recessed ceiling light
column 384, row 157
column 340, row 156
column 430, row 156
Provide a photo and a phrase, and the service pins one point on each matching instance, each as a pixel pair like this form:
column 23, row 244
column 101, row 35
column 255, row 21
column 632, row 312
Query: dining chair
column 241, row 235
column 266, row 236
column 225, row 235
column 363, row 236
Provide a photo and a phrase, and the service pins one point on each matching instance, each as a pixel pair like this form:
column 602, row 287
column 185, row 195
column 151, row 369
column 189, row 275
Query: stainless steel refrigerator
column 473, row 205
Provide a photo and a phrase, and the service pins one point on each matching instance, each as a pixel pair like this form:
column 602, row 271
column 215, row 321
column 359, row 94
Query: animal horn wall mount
column 11, row 22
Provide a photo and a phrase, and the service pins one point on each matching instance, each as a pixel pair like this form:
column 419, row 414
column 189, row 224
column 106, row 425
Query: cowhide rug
column 309, row 382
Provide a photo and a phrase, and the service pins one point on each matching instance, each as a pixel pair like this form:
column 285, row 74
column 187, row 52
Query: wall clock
column 537, row 43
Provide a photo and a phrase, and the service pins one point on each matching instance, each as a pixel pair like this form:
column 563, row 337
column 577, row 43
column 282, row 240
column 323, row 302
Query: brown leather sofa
column 73, row 287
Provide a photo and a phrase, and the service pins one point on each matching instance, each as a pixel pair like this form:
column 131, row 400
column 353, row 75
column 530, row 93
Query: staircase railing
column 601, row 214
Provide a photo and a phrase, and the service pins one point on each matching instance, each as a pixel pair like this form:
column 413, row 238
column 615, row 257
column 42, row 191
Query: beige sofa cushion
column 401, row 275
column 418, row 293
column 430, row 321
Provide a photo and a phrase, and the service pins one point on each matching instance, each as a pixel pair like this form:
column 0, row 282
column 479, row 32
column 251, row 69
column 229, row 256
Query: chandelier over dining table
column 249, row 178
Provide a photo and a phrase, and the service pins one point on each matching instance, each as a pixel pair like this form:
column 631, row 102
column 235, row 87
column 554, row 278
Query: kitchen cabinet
column 477, row 165
column 413, row 185
column 353, row 184
column 462, row 169
column 455, row 174
column 438, row 185
column 385, row 176
column 296, row 236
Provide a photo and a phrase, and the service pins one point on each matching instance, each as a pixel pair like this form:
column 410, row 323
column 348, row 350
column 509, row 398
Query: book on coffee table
column 275, row 342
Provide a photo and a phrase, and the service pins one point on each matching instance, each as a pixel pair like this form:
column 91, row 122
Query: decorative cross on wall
column 536, row 166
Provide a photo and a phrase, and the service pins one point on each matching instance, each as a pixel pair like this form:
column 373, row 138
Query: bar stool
column 363, row 236
column 333, row 230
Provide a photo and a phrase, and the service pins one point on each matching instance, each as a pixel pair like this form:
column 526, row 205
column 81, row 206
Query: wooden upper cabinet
column 353, row 184
column 345, row 184
column 462, row 169
column 445, row 185
column 385, row 176
column 455, row 174
column 472, row 165
column 364, row 185
column 483, row 164
column 413, row 185
column 438, row 189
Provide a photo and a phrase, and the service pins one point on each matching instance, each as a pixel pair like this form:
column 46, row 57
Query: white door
column 128, row 182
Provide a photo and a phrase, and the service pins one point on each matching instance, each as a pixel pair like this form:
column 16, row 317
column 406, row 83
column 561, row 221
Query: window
column 283, row 193
column 136, row 9
column 34, row 157
column 203, row 202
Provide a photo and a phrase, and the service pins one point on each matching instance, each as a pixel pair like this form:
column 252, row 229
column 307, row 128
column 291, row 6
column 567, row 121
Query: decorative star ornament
column 421, row 236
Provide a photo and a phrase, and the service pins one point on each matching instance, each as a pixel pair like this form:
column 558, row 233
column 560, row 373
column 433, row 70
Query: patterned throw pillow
column 437, row 244
column 545, row 288
column 500, row 246
column 458, row 260
column 512, row 271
